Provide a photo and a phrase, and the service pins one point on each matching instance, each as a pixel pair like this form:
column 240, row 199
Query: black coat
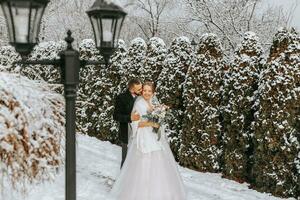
column 122, row 113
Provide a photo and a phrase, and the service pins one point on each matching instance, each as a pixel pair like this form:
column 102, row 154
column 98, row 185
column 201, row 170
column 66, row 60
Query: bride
column 149, row 171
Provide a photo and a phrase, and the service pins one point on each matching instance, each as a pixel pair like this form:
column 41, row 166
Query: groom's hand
column 135, row 116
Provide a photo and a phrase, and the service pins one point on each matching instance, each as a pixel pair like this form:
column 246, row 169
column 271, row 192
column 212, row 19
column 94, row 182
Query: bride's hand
column 155, row 125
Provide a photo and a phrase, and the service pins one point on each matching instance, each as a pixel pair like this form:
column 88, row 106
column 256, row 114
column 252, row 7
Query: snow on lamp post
column 23, row 19
column 107, row 20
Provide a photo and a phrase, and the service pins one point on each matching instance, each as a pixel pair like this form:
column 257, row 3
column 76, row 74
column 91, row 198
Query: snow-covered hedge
column 240, row 85
column 277, row 120
column 133, row 62
column 201, row 133
column 107, row 92
column 8, row 56
column 87, row 96
column 97, row 89
column 31, row 130
column 170, row 86
column 49, row 73
column 154, row 60
column 240, row 117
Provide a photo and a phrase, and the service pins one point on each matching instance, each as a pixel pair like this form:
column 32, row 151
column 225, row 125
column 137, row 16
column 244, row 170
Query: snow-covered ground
column 98, row 164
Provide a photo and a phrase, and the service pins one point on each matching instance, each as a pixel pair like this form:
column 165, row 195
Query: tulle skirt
column 149, row 176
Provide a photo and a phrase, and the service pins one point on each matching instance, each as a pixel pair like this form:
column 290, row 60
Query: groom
column 122, row 113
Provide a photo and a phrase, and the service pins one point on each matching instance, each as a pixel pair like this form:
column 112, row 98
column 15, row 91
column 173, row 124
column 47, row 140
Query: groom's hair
column 133, row 82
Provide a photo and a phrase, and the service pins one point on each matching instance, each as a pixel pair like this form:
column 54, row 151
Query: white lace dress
column 149, row 171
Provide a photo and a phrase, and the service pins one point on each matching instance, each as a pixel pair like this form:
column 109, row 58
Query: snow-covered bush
column 201, row 132
column 31, row 130
column 238, row 99
column 170, row 85
column 8, row 56
column 133, row 62
column 117, row 69
column 277, row 119
column 154, row 62
column 97, row 90
column 87, row 96
column 108, row 90
column 49, row 73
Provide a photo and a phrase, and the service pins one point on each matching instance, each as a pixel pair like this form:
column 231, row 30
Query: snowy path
column 98, row 164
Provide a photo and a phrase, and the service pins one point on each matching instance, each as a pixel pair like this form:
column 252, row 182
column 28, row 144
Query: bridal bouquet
column 160, row 115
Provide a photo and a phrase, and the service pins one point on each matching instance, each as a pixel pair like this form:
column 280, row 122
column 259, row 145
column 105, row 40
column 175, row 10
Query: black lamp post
column 194, row 44
column 23, row 18
column 107, row 20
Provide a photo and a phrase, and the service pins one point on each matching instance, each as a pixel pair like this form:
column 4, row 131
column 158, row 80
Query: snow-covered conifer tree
column 116, row 67
column 277, row 120
column 108, row 90
column 238, row 100
column 86, row 105
column 201, row 130
column 97, row 90
column 170, row 85
column 133, row 62
column 154, row 62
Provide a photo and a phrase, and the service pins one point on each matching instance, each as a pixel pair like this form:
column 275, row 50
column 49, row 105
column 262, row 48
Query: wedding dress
column 149, row 171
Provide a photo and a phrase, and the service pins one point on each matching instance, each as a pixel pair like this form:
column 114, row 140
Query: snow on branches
column 133, row 62
column 97, row 89
column 31, row 130
column 277, row 131
column 240, row 86
column 154, row 61
column 201, row 125
column 170, row 85
column 8, row 56
column 43, row 51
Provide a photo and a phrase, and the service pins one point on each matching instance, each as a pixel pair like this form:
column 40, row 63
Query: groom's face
column 137, row 89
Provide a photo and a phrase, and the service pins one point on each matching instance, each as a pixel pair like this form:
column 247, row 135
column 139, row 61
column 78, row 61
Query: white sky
column 286, row 5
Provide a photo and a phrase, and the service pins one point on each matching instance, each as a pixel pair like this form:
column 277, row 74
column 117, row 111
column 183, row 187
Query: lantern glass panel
column 21, row 21
column 107, row 34
column 35, row 20
column 97, row 30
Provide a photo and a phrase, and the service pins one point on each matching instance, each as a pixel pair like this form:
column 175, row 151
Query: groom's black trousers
column 124, row 153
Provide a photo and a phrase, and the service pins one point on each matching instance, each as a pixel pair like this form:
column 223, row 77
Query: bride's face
column 147, row 92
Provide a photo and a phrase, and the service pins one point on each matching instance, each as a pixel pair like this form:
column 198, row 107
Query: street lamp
column 23, row 19
column 107, row 20
column 194, row 44
column 23, row 22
